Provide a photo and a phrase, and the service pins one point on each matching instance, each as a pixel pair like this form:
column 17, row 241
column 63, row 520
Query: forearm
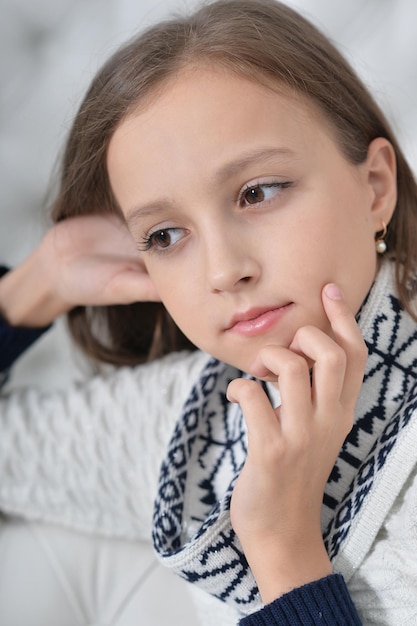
column 14, row 340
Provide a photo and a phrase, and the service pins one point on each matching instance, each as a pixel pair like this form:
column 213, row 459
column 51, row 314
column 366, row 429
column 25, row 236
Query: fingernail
column 333, row 292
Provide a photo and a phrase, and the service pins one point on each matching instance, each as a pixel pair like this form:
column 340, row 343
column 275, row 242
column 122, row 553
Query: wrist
column 26, row 295
column 281, row 566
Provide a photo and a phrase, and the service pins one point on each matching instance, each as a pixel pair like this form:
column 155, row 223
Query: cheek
column 177, row 294
column 355, row 266
column 169, row 289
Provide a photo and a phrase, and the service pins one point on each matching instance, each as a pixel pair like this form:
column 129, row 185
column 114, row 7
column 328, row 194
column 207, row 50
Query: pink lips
column 257, row 321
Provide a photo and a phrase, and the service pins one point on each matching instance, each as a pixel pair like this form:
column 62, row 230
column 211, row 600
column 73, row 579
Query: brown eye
column 262, row 193
column 164, row 238
column 254, row 195
column 161, row 239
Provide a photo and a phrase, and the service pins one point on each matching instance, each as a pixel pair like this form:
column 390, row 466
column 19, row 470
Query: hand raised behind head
column 88, row 260
column 95, row 262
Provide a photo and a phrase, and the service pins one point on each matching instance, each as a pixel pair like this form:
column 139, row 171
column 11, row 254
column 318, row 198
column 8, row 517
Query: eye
column 161, row 239
column 261, row 192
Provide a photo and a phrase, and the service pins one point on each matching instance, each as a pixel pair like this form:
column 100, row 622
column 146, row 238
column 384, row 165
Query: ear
column 381, row 172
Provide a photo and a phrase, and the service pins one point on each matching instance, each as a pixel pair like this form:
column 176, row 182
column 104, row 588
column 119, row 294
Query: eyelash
column 148, row 242
column 252, row 187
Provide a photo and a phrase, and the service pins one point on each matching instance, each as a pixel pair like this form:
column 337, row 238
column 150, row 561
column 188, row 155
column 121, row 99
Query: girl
column 272, row 206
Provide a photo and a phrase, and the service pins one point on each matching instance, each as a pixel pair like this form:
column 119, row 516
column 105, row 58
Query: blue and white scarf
column 192, row 532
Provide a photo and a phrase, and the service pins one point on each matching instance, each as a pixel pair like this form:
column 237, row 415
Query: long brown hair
column 264, row 41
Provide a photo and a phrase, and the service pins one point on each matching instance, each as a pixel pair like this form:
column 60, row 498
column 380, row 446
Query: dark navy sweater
column 325, row 602
column 14, row 340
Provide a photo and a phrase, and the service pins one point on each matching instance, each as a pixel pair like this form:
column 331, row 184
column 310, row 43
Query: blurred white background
column 49, row 49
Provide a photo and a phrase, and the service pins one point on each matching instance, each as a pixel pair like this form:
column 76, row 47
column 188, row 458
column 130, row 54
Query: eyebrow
column 226, row 171
column 251, row 158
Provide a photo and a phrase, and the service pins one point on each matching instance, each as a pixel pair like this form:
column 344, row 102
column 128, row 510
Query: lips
column 258, row 320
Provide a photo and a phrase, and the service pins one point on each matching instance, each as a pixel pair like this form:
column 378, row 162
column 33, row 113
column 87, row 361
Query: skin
column 259, row 239
column 89, row 260
column 227, row 257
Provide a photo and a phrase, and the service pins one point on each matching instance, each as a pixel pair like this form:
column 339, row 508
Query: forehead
column 210, row 97
column 255, row 85
column 203, row 120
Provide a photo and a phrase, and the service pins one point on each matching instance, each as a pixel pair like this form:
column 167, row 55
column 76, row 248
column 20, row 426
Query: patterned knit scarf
column 192, row 532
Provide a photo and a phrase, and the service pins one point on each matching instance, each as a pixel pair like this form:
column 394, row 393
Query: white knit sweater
column 89, row 457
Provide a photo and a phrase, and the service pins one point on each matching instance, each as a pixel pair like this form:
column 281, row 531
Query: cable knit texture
column 89, row 457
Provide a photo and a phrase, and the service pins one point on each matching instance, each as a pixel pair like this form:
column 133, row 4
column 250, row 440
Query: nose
column 231, row 263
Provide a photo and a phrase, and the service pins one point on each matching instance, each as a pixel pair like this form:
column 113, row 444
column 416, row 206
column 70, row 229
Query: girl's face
column 245, row 208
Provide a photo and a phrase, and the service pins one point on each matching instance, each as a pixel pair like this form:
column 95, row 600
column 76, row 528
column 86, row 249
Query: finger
column 347, row 334
column 293, row 375
column 329, row 365
column 102, row 280
column 261, row 420
column 132, row 286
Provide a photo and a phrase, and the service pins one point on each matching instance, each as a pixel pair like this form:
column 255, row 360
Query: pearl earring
column 380, row 243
